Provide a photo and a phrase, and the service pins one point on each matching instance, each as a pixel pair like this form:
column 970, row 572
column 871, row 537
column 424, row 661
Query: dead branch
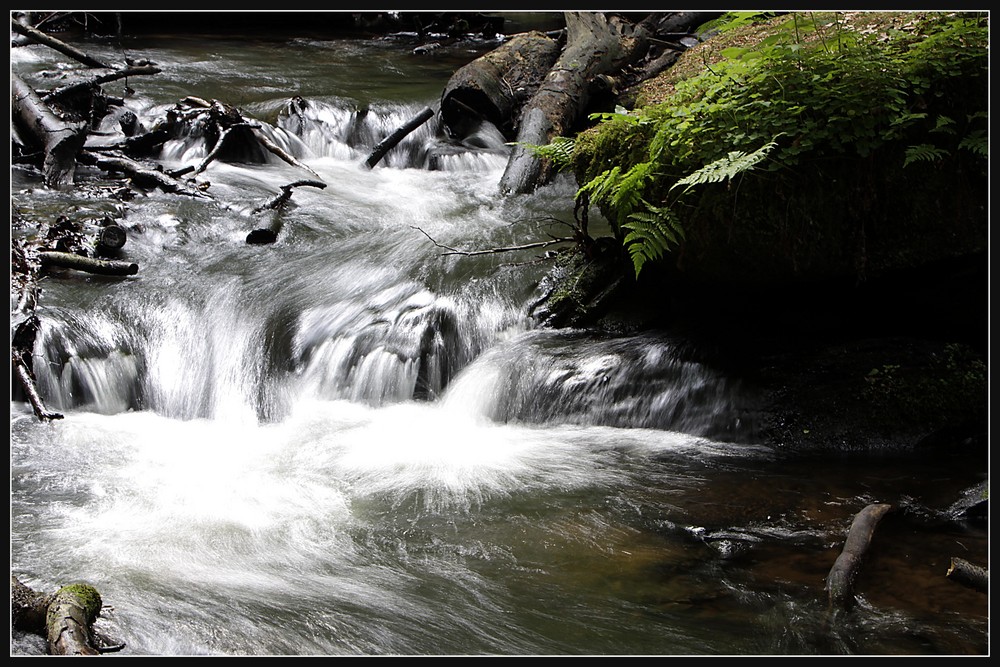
column 390, row 141
column 79, row 86
column 63, row 48
column 493, row 251
column 270, row 233
column 140, row 175
column 278, row 151
column 214, row 153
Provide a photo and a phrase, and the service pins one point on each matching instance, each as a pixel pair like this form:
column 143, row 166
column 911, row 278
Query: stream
column 350, row 442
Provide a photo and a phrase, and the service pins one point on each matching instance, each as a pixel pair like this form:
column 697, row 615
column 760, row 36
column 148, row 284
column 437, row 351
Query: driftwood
column 63, row 48
column 496, row 85
column 840, row 580
column 59, row 140
column 65, row 617
column 596, row 44
column 140, row 175
column 104, row 267
column 390, row 141
column 270, row 233
column 967, row 574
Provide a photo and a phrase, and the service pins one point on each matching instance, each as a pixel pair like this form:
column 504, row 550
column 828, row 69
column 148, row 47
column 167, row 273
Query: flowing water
column 350, row 442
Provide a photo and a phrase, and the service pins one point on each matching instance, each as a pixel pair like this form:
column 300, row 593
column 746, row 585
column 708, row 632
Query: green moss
column 85, row 595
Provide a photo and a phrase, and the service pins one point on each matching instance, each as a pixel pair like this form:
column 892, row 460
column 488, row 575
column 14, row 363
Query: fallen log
column 60, row 46
column 73, row 610
column 65, row 618
column 390, row 141
column 495, row 86
column 69, row 260
column 840, row 580
column 59, row 140
column 967, row 574
column 596, row 44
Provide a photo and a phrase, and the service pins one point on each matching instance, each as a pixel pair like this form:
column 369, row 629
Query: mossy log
column 65, row 617
column 840, row 580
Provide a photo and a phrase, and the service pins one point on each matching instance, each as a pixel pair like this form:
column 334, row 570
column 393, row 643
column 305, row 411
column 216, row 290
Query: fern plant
column 815, row 88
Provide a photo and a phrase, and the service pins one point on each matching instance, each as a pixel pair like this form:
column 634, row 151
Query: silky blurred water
column 350, row 443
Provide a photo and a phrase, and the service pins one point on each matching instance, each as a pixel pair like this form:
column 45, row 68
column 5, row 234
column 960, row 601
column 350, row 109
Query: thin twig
column 493, row 251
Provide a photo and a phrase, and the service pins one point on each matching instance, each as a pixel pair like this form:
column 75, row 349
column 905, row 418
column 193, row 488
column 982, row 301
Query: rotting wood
column 495, row 86
column 968, row 574
column 840, row 580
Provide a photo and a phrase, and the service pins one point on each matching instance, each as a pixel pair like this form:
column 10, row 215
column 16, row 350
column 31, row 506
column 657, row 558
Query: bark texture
column 496, row 85
column 58, row 139
column 596, row 44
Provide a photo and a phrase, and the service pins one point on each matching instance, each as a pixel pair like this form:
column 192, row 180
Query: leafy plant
column 812, row 89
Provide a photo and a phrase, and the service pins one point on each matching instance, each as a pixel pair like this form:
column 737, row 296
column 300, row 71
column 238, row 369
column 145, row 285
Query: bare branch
column 493, row 251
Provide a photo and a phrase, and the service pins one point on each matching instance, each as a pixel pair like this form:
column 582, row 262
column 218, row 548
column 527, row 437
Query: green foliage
column 924, row 153
column 559, row 151
column 650, row 233
column 726, row 168
column 813, row 88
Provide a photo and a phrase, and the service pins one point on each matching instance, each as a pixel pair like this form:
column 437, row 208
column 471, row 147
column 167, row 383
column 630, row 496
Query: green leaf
column 725, row 168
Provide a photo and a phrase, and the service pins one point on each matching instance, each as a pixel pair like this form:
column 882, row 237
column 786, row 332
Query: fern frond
column 944, row 124
column 923, row 153
column 627, row 195
column 602, row 187
column 559, row 151
column 651, row 233
column 977, row 142
column 726, row 168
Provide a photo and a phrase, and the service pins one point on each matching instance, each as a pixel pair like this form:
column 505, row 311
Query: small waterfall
column 351, row 322
column 545, row 377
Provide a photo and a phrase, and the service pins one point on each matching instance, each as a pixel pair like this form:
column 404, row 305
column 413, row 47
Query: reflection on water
column 349, row 443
